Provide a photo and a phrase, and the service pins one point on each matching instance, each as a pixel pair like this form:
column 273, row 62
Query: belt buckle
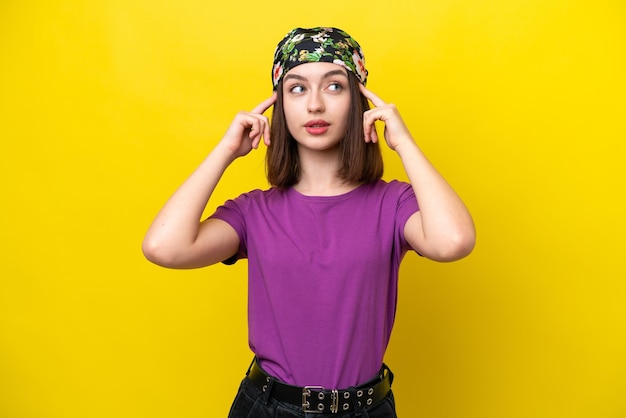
column 306, row 405
column 306, row 393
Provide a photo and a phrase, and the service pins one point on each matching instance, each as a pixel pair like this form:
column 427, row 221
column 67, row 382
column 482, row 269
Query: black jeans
column 250, row 402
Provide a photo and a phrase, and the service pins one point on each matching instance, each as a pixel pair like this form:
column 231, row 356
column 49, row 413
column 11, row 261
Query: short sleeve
column 407, row 206
column 232, row 212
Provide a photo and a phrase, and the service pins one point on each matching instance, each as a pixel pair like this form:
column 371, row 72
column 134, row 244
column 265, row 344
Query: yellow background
column 107, row 105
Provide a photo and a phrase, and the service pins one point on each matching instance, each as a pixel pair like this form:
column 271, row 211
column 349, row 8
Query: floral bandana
column 318, row 45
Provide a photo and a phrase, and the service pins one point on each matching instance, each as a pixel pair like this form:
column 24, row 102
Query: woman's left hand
column 395, row 131
column 442, row 229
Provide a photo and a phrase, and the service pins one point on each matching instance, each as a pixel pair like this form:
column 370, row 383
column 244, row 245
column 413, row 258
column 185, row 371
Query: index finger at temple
column 377, row 101
column 265, row 104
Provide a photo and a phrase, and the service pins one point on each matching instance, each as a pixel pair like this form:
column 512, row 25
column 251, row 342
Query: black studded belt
column 317, row 399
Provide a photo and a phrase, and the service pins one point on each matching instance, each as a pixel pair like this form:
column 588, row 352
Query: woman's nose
column 315, row 104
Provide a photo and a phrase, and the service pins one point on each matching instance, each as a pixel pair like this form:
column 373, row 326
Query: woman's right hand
column 248, row 128
column 177, row 238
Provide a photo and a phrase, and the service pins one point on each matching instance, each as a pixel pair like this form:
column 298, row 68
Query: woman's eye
column 335, row 87
column 296, row 89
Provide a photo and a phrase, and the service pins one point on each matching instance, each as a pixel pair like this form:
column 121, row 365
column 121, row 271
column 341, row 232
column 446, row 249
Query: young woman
column 325, row 242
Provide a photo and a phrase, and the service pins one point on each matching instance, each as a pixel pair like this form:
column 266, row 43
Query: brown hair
column 361, row 162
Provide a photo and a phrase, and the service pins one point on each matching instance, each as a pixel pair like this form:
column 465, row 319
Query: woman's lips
column 317, row 127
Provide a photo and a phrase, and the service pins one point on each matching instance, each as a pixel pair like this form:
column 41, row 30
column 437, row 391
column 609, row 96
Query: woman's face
column 316, row 102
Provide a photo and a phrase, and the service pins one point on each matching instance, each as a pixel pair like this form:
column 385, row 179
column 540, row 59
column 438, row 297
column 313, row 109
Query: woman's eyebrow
column 296, row 76
column 334, row 73
column 326, row 75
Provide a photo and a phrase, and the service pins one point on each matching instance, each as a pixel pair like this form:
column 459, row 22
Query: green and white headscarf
column 320, row 44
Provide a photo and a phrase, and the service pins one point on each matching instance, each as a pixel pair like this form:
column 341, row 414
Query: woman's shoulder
column 258, row 195
column 391, row 186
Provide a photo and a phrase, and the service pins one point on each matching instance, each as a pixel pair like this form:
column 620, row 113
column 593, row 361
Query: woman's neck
column 319, row 175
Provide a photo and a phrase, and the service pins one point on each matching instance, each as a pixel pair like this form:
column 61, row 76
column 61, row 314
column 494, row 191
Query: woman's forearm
column 176, row 226
column 447, row 229
column 176, row 237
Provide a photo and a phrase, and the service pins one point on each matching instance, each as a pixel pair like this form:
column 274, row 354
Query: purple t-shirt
column 322, row 278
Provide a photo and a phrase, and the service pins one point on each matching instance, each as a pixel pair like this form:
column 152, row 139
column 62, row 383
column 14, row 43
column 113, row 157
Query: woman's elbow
column 156, row 253
column 450, row 246
column 459, row 246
